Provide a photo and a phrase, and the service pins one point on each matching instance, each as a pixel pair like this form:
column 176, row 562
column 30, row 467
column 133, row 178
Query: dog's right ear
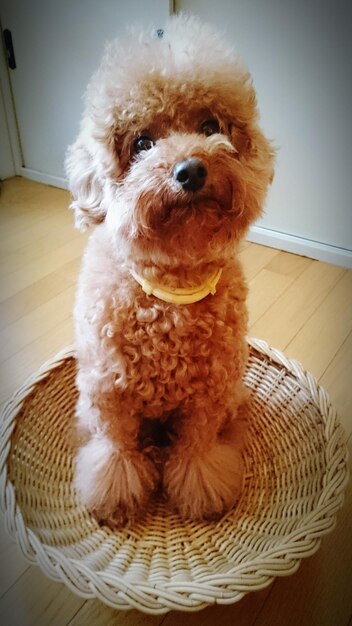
column 86, row 185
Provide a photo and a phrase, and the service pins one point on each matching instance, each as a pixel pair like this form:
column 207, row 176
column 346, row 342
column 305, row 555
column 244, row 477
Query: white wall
column 299, row 53
column 58, row 44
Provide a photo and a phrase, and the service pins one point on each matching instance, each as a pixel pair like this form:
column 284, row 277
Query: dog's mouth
column 163, row 212
column 180, row 209
column 184, row 225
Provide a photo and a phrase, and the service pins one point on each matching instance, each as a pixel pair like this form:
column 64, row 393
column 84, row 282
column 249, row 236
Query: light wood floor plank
column 29, row 203
column 337, row 381
column 282, row 321
column 11, row 244
column 288, row 264
column 17, row 223
column 326, row 330
column 35, row 250
column 38, row 268
column 35, row 324
column 70, row 270
column 254, row 258
column 12, row 564
column 270, row 282
column 94, row 613
column 36, row 294
column 35, row 600
column 266, row 287
column 17, row 369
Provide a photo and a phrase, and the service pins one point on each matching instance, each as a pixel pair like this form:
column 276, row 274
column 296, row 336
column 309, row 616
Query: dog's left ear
column 86, row 183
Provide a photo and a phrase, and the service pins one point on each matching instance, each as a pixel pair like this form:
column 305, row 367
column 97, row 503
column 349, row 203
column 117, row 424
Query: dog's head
column 170, row 154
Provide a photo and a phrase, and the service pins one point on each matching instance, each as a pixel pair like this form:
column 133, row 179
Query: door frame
column 9, row 108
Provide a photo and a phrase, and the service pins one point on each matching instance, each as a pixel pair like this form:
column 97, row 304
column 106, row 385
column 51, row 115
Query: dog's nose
column 190, row 173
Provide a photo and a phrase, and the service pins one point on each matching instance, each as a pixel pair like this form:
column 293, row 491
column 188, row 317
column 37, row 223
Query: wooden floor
column 300, row 306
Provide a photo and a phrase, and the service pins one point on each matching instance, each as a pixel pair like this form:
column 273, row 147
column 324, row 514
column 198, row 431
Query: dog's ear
column 252, row 145
column 85, row 183
column 241, row 140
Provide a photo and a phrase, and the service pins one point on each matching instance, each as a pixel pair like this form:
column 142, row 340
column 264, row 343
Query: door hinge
column 10, row 54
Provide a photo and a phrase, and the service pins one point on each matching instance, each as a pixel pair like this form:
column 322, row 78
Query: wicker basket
column 296, row 471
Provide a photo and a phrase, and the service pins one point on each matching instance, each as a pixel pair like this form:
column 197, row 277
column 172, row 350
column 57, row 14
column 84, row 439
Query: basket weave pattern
column 296, row 471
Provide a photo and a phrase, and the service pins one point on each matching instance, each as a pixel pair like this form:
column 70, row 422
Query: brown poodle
column 171, row 169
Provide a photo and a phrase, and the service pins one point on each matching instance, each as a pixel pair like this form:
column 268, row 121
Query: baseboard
column 41, row 177
column 299, row 245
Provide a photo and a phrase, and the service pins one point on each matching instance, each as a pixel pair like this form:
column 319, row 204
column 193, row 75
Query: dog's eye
column 210, row 127
column 144, row 142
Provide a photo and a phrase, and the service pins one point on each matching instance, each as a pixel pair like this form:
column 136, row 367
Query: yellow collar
column 175, row 295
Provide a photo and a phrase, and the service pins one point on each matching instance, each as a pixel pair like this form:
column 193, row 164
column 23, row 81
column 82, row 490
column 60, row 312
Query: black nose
column 190, row 173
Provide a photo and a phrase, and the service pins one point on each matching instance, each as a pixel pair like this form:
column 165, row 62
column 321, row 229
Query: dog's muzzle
column 190, row 173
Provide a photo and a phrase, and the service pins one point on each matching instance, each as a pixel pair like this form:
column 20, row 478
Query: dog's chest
column 167, row 337
column 170, row 353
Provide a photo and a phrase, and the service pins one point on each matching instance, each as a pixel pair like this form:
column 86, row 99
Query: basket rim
column 157, row 598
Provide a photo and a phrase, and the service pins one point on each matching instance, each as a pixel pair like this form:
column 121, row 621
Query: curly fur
column 140, row 359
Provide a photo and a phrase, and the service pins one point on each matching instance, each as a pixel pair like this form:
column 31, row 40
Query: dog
column 170, row 168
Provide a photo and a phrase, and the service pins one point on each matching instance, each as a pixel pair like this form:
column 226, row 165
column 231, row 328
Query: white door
column 57, row 46
column 299, row 54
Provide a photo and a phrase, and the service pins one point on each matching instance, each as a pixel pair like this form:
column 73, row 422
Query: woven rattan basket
column 296, row 471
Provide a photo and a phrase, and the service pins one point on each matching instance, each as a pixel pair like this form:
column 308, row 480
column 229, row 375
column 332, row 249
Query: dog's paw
column 113, row 485
column 206, row 485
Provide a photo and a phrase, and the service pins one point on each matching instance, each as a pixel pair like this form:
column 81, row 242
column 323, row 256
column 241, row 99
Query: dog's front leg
column 112, row 477
column 203, row 476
